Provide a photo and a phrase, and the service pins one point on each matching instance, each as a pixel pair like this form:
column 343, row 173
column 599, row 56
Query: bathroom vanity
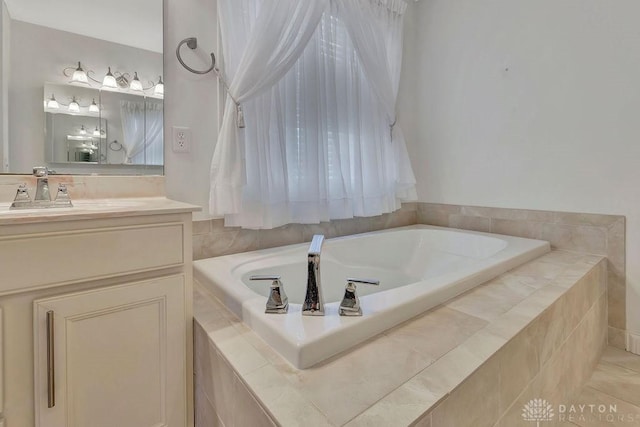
column 96, row 313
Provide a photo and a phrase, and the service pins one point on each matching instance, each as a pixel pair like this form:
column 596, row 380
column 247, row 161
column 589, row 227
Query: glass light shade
column 109, row 80
column 96, row 132
column 158, row 90
column 52, row 103
column 74, row 107
column 93, row 108
column 83, row 131
column 79, row 75
column 135, row 83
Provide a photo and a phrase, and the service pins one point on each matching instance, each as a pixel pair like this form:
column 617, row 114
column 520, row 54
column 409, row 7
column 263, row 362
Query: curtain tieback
column 395, row 120
column 239, row 112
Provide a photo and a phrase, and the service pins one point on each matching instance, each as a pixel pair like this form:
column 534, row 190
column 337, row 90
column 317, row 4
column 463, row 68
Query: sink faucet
column 42, row 186
column 313, row 304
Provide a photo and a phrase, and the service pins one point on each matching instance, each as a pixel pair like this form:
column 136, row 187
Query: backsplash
column 88, row 186
column 589, row 233
column 211, row 238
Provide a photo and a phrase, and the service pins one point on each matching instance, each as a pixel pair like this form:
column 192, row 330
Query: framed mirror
column 82, row 89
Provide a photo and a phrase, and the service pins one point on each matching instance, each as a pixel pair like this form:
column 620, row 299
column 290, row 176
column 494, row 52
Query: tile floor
column 613, row 391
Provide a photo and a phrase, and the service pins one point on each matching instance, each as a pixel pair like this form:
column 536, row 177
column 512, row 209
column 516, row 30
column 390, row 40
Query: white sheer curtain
column 132, row 116
column 260, row 45
column 153, row 147
column 375, row 28
column 317, row 145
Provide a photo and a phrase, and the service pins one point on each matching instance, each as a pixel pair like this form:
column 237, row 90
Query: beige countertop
column 95, row 209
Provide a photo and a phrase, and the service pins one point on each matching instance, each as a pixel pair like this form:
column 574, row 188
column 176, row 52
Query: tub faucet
column 313, row 304
column 42, row 186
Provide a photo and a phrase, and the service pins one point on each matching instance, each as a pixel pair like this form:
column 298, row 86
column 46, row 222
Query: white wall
column 190, row 99
column 531, row 104
column 5, row 51
column 38, row 55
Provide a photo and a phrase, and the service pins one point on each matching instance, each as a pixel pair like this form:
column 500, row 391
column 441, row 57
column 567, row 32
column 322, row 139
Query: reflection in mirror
column 95, row 90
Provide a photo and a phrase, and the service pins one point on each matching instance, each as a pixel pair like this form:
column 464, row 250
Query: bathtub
column 418, row 267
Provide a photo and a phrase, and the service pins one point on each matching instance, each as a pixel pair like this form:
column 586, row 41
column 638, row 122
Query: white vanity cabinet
column 98, row 320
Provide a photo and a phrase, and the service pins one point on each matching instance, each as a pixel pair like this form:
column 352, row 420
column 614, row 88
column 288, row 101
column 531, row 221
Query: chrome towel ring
column 192, row 43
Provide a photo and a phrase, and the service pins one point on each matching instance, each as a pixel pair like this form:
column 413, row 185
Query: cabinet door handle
column 51, row 369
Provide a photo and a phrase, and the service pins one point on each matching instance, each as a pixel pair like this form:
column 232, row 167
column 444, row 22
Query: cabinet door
column 114, row 356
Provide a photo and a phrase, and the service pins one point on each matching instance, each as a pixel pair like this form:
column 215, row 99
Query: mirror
column 82, row 86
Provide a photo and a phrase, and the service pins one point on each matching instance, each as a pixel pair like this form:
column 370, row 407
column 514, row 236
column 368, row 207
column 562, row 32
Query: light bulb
column 93, row 108
column 159, row 88
column 109, row 80
column 74, row 107
column 135, row 83
column 79, row 75
column 52, row 103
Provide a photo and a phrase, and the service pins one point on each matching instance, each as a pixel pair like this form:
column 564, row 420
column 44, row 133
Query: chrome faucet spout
column 313, row 304
column 42, row 185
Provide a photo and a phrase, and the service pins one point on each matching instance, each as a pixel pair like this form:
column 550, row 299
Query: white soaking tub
column 418, row 267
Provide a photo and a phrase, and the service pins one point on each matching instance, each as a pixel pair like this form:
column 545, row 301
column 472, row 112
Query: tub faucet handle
column 278, row 302
column 350, row 305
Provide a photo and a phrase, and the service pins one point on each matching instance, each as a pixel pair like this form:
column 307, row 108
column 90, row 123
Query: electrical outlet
column 181, row 139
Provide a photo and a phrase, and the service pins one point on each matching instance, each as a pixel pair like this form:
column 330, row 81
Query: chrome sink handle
column 350, row 305
column 278, row 302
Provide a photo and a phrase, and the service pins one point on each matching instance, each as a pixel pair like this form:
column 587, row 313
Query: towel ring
column 192, row 43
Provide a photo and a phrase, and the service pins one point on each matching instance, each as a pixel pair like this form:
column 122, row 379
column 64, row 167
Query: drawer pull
column 51, row 370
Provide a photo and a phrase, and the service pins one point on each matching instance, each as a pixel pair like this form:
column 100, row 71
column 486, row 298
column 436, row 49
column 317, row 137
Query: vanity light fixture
column 158, row 89
column 114, row 80
column 80, row 76
column 74, row 107
column 83, row 131
column 109, row 80
column 93, row 108
column 135, row 83
column 96, row 132
column 52, row 103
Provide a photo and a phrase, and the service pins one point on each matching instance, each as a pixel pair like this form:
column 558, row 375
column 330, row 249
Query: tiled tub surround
column 587, row 233
column 602, row 235
column 534, row 332
column 428, row 266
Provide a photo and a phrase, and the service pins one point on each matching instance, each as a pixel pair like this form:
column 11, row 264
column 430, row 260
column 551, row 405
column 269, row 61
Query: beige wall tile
column 585, row 219
column 576, row 237
column 402, row 407
column 617, row 298
column 205, row 414
column 493, row 299
column 201, row 227
column 617, row 338
column 281, row 236
column 519, row 228
column 225, row 242
column 423, row 422
column 246, row 410
column 474, row 223
column 344, row 386
column 436, row 332
column 475, row 403
column 286, row 403
column 519, row 364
